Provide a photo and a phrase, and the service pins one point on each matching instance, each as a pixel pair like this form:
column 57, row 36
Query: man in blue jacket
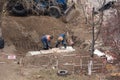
column 61, row 39
column 46, row 39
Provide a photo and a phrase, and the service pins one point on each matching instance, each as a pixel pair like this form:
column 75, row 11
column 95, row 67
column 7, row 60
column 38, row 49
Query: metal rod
column 93, row 37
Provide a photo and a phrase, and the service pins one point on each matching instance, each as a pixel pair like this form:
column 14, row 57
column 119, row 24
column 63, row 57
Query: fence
column 74, row 64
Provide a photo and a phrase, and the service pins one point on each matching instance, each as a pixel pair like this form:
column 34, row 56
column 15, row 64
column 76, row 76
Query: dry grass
column 52, row 75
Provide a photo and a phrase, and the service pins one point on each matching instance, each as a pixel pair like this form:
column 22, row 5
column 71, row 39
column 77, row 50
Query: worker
column 2, row 44
column 61, row 39
column 46, row 39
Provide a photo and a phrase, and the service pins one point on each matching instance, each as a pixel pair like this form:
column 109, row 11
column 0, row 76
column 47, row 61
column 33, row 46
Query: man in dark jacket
column 61, row 39
column 1, row 43
column 46, row 39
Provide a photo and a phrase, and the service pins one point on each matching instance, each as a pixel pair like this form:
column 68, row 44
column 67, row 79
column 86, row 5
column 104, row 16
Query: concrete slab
column 53, row 50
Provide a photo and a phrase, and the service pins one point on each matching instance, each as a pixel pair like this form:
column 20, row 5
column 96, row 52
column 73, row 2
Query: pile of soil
column 25, row 32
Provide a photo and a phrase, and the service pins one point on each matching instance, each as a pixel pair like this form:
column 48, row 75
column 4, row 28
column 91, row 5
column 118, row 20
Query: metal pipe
column 93, row 36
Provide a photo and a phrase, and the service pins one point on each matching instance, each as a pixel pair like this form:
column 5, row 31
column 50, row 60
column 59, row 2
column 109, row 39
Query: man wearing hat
column 61, row 39
column 46, row 39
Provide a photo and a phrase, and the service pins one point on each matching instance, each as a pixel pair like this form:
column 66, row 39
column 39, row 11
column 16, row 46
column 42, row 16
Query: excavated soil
column 26, row 32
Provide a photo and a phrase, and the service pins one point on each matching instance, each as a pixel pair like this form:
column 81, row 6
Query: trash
column 98, row 53
column 62, row 73
column 53, row 67
column 109, row 57
column 11, row 56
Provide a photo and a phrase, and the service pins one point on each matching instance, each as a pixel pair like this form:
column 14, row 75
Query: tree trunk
column 1, row 11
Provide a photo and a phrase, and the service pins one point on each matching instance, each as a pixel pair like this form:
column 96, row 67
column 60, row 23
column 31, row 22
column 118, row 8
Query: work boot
column 45, row 48
column 65, row 46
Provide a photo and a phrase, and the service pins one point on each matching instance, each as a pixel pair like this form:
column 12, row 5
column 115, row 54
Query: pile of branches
column 1, row 4
column 111, row 31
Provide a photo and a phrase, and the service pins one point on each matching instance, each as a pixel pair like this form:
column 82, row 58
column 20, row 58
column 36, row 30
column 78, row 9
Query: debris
column 62, row 73
column 53, row 67
column 98, row 53
column 11, row 56
column 54, row 8
column 109, row 57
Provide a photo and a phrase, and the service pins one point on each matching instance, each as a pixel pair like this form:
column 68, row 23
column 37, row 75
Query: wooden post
column 90, row 64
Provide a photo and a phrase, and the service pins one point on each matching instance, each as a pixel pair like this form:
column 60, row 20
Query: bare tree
column 111, row 30
column 1, row 7
column 1, row 12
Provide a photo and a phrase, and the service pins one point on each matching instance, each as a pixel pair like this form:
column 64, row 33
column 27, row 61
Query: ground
column 22, row 34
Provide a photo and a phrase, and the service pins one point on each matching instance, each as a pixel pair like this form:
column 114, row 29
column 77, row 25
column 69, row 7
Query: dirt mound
column 25, row 32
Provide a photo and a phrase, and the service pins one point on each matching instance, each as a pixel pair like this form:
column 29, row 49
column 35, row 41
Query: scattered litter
column 11, row 56
column 109, row 57
column 62, row 73
column 99, row 53
column 53, row 67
